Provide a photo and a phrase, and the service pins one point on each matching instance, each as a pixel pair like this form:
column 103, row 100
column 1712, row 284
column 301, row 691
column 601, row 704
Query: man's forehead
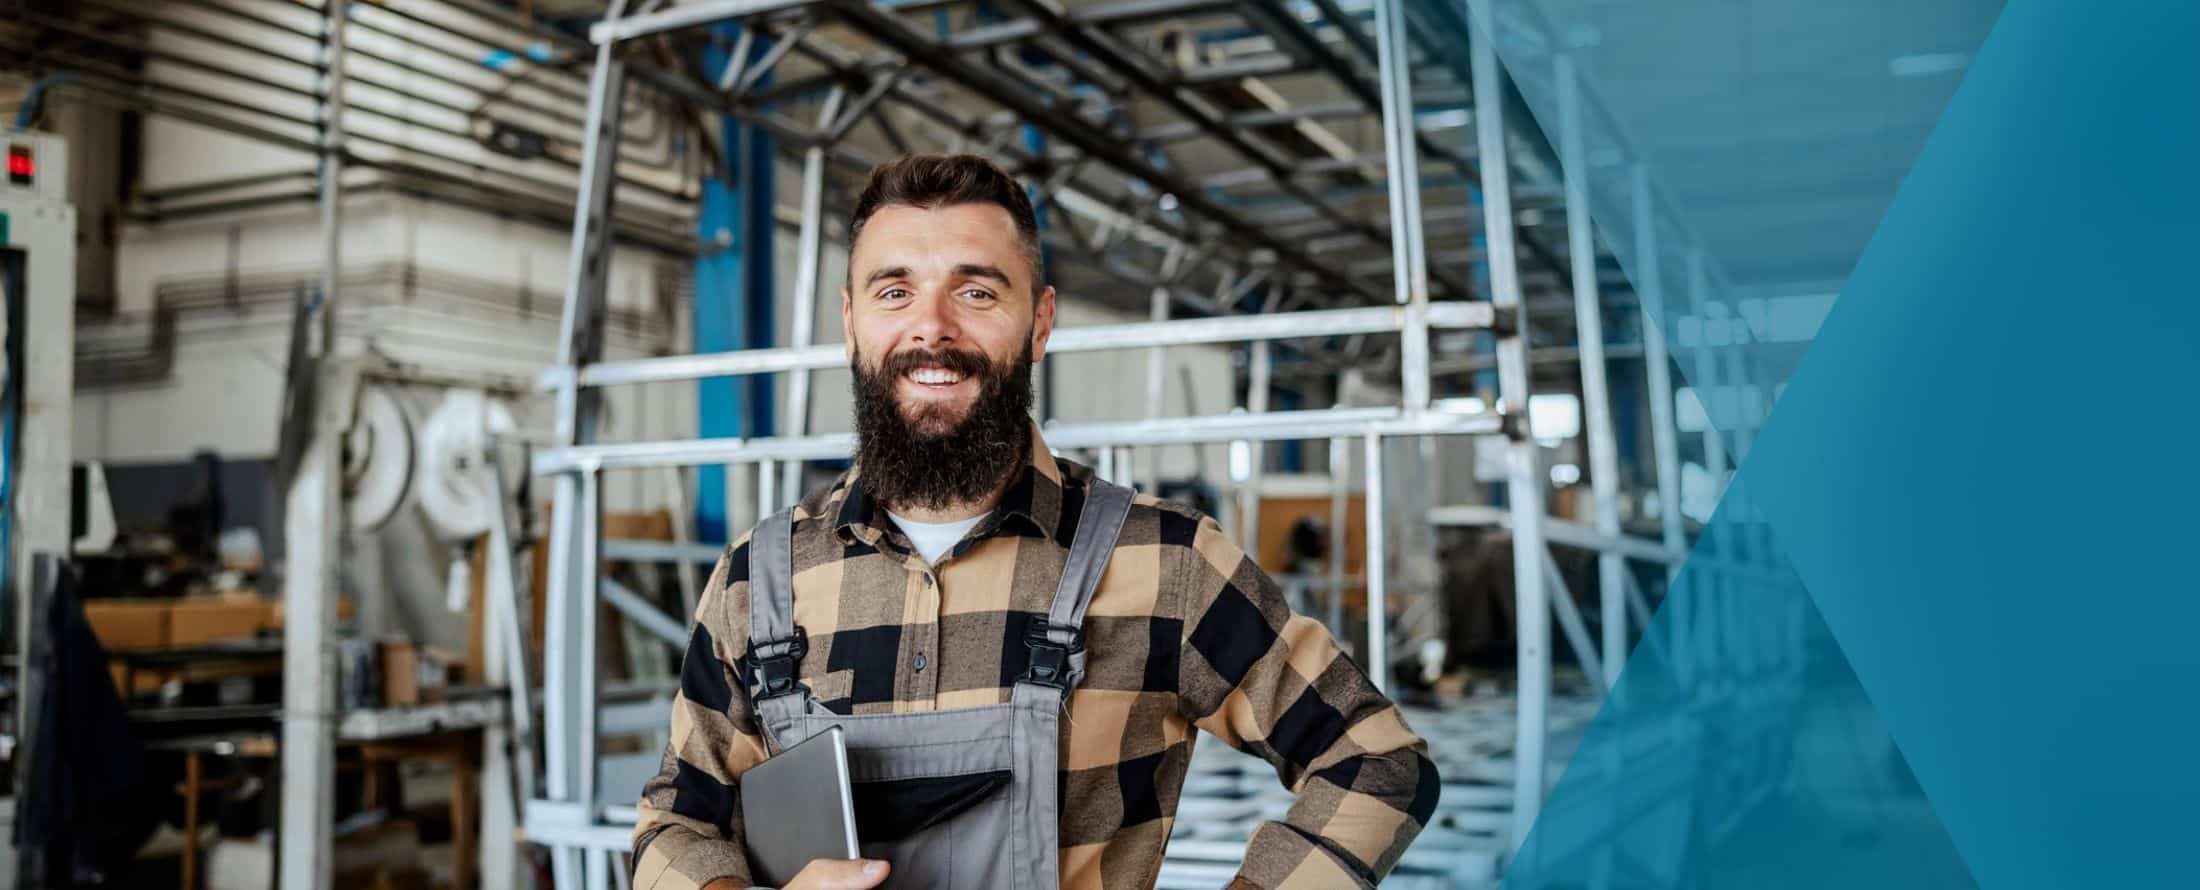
column 900, row 228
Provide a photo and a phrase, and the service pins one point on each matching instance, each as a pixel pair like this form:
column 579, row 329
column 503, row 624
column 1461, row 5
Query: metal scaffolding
column 873, row 64
column 1184, row 176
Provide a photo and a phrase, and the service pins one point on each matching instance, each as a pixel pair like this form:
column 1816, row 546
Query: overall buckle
column 772, row 665
column 1050, row 661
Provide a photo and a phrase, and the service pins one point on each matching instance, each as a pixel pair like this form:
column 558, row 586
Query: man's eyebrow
column 981, row 270
column 886, row 273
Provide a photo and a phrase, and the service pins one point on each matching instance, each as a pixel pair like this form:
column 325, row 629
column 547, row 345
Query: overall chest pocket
column 935, row 795
column 946, row 831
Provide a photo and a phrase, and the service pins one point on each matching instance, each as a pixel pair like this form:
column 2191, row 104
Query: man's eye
column 894, row 294
column 977, row 294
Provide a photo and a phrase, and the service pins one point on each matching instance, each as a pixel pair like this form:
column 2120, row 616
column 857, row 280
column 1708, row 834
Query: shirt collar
column 1033, row 498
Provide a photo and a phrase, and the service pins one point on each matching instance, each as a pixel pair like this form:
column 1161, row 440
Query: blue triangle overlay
column 1979, row 469
column 1965, row 580
column 1741, row 749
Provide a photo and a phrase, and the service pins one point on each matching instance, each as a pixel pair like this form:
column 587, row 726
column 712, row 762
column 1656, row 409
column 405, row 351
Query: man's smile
column 933, row 383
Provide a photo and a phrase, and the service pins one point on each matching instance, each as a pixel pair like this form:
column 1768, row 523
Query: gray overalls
column 964, row 798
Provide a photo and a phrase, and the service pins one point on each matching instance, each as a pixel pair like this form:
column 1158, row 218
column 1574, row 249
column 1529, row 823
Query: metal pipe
column 676, row 501
column 1524, row 486
column 1560, row 531
column 510, row 666
column 1378, row 624
column 331, row 173
column 1094, row 141
column 767, row 488
column 1408, row 251
column 1157, row 356
column 1309, row 323
column 590, row 564
column 1596, row 394
column 314, row 521
column 1273, row 426
column 645, row 615
column 1705, row 611
column 682, row 15
column 569, row 682
column 1249, row 495
column 1340, row 458
column 1657, row 365
column 1569, row 621
column 808, row 256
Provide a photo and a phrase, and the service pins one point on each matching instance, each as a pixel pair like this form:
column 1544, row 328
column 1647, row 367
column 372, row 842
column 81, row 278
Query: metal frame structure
column 572, row 815
column 1732, row 567
column 845, row 84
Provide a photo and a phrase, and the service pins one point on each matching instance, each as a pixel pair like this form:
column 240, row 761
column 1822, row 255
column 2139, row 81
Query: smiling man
column 1018, row 652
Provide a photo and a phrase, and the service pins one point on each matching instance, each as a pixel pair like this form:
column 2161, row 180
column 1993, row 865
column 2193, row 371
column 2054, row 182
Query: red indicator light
column 20, row 166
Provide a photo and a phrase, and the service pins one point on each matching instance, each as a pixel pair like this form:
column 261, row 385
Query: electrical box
column 38, row 167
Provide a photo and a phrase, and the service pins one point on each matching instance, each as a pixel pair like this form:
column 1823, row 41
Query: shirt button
column 918, row 663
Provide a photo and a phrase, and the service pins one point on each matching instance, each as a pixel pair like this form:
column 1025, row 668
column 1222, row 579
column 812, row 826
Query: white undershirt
column 934, row 539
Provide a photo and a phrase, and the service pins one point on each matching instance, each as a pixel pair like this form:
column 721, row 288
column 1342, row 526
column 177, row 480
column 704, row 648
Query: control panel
column 38, row 166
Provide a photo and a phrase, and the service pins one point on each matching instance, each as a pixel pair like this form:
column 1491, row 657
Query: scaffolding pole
column 1706, row 624
column 1524, row 481
column 1657, row 367
column 570, row 675
column 808, row 258
column 1377, row 660
column 1340, row 487
column 1408, row 252
column 313, row 521
column 1596, row 398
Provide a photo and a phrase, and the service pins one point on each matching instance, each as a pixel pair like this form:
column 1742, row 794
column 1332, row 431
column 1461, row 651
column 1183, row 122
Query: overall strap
column 1058, row 643
column 776, row 645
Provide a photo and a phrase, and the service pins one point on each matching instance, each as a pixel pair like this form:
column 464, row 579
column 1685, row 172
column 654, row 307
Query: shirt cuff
column 1279, row 857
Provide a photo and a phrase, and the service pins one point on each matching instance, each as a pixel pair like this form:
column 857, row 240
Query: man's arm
column 1275, row 684
column 690, row 833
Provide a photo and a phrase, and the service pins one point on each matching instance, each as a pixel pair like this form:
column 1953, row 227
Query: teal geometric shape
column 1738, row 751
column 1982, row 468
column 1741, row 748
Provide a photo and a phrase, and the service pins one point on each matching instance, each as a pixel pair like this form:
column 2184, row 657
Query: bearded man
column 1018, row 653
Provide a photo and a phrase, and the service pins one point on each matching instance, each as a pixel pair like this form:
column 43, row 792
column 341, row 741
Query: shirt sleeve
column 1275, row 684
column 689, row 832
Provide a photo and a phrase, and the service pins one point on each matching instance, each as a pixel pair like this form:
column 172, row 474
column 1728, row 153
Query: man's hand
column 839, row 874
column 827, row 874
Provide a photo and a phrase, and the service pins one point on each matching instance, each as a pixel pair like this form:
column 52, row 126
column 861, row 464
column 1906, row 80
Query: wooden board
column 1279, row 514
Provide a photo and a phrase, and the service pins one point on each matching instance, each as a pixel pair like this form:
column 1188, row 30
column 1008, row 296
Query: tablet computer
column 799, row 806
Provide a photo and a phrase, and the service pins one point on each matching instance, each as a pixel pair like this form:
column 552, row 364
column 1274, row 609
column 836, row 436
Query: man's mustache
column 965, row 362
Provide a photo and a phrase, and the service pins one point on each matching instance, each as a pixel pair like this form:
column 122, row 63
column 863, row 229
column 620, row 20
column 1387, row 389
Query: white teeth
column 933, row 376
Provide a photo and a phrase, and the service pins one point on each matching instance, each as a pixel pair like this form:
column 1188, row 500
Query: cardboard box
column 413, row 674
column 128, row 625
column 200, row 620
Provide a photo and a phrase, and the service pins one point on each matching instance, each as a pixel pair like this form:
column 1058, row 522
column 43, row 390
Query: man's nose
column 935, row 325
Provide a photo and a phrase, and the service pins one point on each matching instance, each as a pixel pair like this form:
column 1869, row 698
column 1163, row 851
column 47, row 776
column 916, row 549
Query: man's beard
column 928, row 459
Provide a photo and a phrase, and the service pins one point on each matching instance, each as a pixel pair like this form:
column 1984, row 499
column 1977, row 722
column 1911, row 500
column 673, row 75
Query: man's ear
column 848, row 324
column 1042, row 323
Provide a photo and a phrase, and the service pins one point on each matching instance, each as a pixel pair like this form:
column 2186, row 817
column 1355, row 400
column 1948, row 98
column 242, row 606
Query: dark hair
column 944, row 180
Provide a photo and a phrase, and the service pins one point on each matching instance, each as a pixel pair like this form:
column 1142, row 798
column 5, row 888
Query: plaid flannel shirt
column 1184, row 631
